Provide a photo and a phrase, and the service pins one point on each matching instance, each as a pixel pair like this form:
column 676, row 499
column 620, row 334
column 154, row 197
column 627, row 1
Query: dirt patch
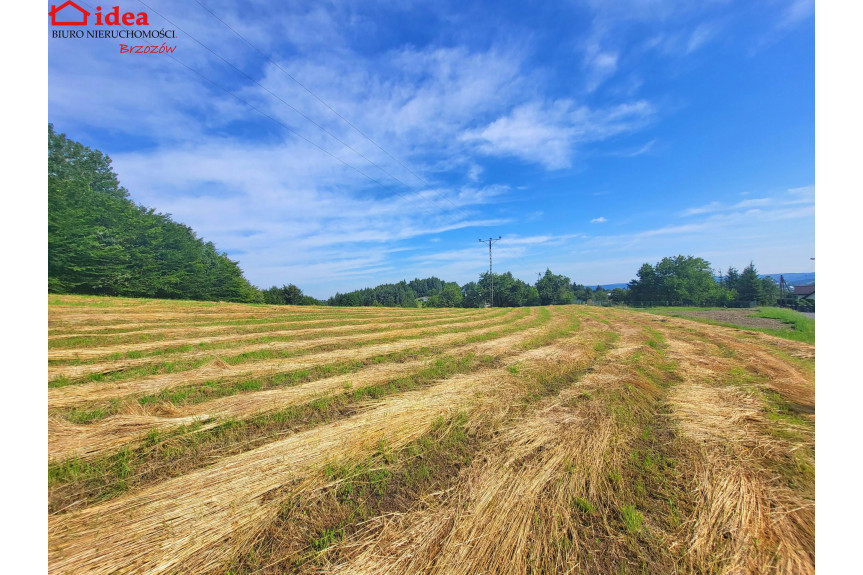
column 741, row 317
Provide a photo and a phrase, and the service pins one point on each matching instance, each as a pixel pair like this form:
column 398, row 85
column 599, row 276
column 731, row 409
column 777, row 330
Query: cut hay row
column 158, row 316
column 84, row 441
column 85, row 393
column 62, row 338
column 196, row 522
column 793, row 382
column 57, row 355
column 95, row 320
column 533, row 505
column 682, row 448
column 74, row 484
column 161, row 311
column 275, row 316
column 748, row 519
column 747, row 338
column 183, row 358
column 512, row 510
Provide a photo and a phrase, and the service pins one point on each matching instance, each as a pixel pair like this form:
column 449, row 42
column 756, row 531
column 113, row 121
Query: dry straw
column 364, row 326
column 72, row 395
column 513, row 507
column 195, row 522
column 66, row 439
column 511, row 510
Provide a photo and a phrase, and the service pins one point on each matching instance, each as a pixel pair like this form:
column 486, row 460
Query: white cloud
column 288, row 221
column 599, row 65
column 745, row 230
column 702, row 34
column 795, row 12
column 548, row 134
column 441, row 108
column 599, row 220
column 794, row 197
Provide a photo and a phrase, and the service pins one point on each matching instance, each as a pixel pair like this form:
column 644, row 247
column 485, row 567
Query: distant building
column 805, row 292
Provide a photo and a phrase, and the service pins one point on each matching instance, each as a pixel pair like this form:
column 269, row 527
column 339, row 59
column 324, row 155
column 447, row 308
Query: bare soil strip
column 741, row 317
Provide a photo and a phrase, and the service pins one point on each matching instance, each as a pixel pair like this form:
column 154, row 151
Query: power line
column 345, row 144
column 294, row 132
column 285, row 126
column 490, row 275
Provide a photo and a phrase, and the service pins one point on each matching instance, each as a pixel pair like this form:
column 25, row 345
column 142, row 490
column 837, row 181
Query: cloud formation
column 459, row 128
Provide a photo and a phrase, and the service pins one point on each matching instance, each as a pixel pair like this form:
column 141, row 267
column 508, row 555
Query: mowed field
column 198, row 437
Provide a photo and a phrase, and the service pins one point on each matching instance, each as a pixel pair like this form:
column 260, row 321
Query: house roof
column 804, row 290
column 55, row 11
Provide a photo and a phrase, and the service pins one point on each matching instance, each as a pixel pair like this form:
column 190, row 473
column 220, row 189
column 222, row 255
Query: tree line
column 509, row 291
column 679, row 280
column 102, row 243
column 689, row 280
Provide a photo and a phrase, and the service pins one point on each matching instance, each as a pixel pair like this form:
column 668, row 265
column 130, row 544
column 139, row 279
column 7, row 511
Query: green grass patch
column 803, row 328
column 632, row 518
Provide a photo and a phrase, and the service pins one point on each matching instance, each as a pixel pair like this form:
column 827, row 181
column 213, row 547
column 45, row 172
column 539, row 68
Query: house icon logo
column 71, row 11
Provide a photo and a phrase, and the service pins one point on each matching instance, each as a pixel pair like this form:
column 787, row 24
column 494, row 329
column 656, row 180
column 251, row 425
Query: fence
column 734, row 304
column 799, row 307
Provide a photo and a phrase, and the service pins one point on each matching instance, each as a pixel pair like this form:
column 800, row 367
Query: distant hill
column 793, row 279
column 609, row 287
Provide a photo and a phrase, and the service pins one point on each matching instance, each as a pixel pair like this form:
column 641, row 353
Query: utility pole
column 490, row 276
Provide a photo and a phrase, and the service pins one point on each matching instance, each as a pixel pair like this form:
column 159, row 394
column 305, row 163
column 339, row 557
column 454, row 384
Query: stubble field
column 195, row 437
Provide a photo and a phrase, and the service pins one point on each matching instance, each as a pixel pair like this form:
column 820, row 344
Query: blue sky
column 593, row 136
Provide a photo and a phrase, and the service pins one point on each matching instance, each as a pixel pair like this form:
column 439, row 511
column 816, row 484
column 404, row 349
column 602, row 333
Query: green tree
column 732, row 278
column 581, row 293
column 619, row 295
column 769, row 291
column 749, row 287
column 554, row 289
column 600, row 295
column 681, row 279
column 100, row 242
column 450, row 295
column 646, row 288
column 288, row 295
column 472, row 296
